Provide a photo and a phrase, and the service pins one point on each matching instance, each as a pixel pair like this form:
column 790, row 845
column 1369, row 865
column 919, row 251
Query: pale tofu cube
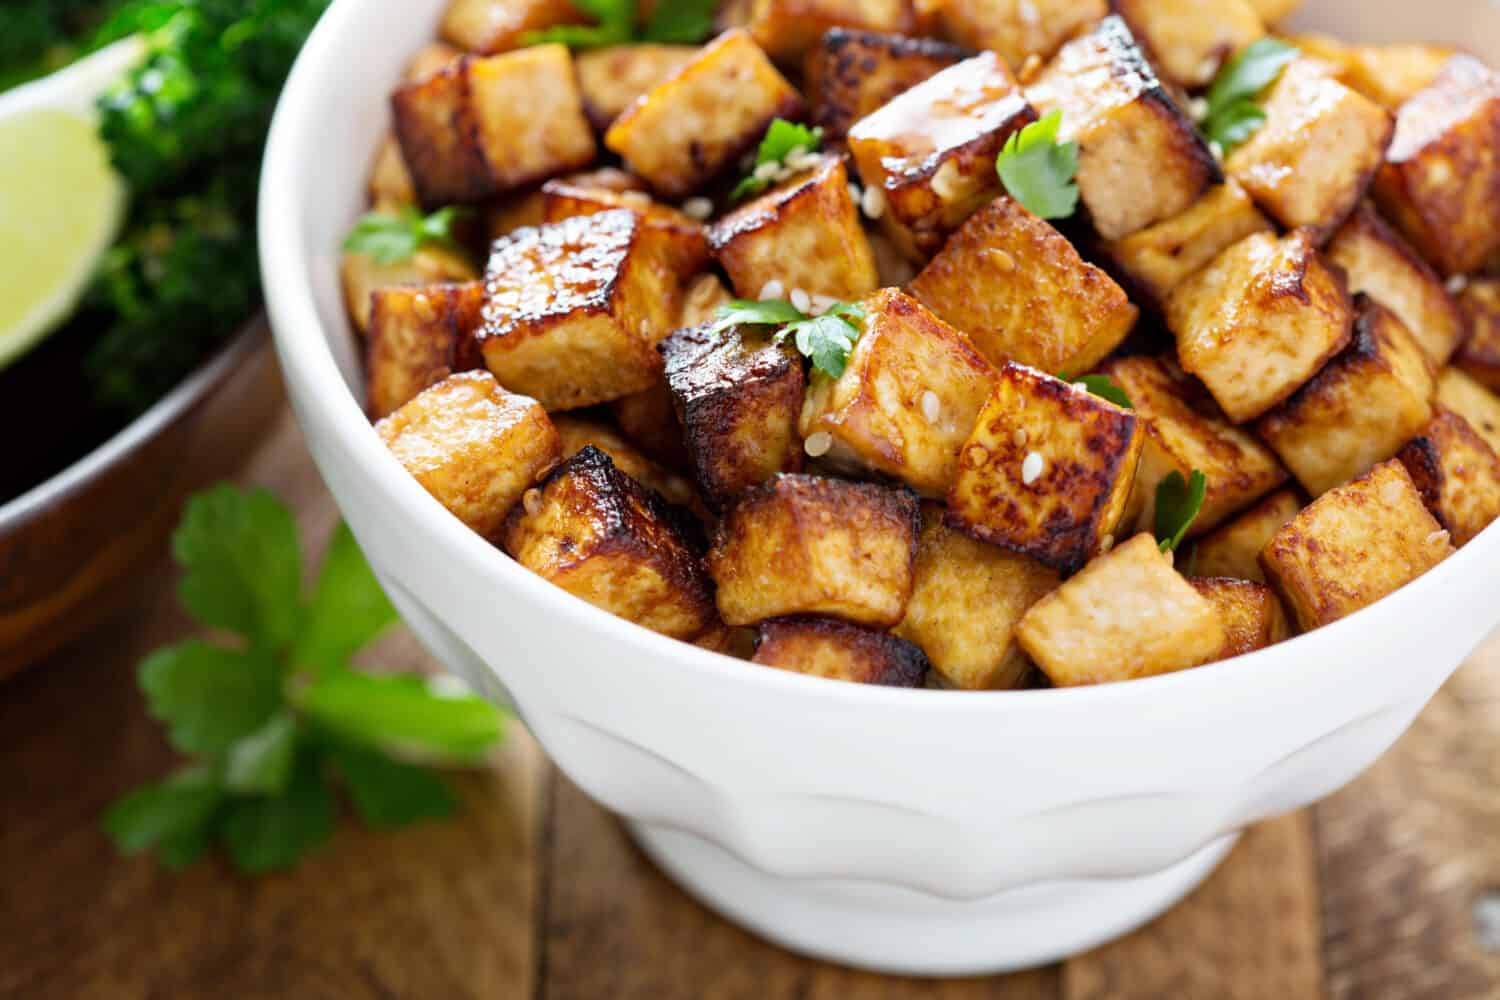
column 611, row 78
column 1457, row 473
column 851, row 73
column 491, row 26
column 827, row 647
column 1017, row 29
column 1234, row 548
column 1251, row 613
column 1190, row 40
column 418, row 337
column 787, row 29
column 1472, row 401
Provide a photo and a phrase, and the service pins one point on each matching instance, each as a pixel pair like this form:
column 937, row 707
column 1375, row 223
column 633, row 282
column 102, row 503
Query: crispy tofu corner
column 827, row 647
column 1252, row 615
column 1457, row 473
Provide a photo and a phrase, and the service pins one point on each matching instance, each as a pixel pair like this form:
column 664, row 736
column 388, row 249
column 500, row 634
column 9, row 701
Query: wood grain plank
column 1410, row 848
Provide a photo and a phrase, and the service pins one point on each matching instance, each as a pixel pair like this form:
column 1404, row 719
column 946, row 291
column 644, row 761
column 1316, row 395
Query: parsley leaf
column 680, row 22
column 782, row 138
column 1231, row 116
column 400, row 710
column 1178, row 502
column 391, row 239
column 1038, row 171
column 1102, row 386
column 265, row 833
column 210, row 697
column 618, row 22
column 389, row 793
column 827, row 339
column 767, row 312
column 261, row 763
column 173, row 815
column 348, row 607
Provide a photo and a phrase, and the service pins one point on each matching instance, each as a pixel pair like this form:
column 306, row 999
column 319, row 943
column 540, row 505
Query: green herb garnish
column 1178, row 502
column 782, row 138
column 1102, row 386
column 272, row 716
column 826, row 339
column 394, row 238
column 618, row 22
column 1231, row 115
column 1038, row 171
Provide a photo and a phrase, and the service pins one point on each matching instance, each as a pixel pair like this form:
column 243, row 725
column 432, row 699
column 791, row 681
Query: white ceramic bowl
column 921, row 831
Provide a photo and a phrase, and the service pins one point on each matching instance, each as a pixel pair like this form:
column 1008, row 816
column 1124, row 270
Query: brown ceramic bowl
column 69, row 546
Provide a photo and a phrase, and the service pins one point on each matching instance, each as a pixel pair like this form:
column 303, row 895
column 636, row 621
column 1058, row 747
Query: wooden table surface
column 1391, row 888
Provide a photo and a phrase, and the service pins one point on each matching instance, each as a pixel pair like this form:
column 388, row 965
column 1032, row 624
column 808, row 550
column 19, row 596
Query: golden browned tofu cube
column 805, row 234
column 1443, row 168
column 484, row 126
column 907, row 400
column 1190, row 39
column 1479, row 355
column 1354, row 545
column 1457, row 473
column 1379, row 262
column 430, row 58
column 1234, row 549
column 1472, row 401
column 362, row 275
column 577, row 433
column 852, row 73
column 689, row 128
column 1259, row 321
column 1162, row 256
column 738, row 396
column 1140, row 158
column 1128, row 614
column 827, row 647
column 1185, row 430
column 1047, row 471
column 598, row 534
column 418, row 337
column 1360, row 409
column 787, row 29
column 931, row 150
column 685, row 241
column 1017, row 28
column 1022, row 293
column 1391, row 75
column 801, row 545
column 1251, row 613
column 490, row 26
column 475, row 447
column 966, row 600
column 611, row 78
column 1312, row 160
column 573, row 309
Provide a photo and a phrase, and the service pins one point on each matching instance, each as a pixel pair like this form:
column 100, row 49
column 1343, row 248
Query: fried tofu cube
column 573, row 309
column 804, row 233
column 475, row 447
column 1128, row 614
column 491, row 26
column 1390, row 75
column 1259, row 321
column 689, row 128
column 1017, row 28
column 803, row 545
column 1472, row 401
column 649, row 420
column 578, row 433
column 418, row 337
column 907, row 400
column 850, row 73
column 1274, row 11
column 598, row 534
column 1379, row 262
column 1140, row 158
column 1479, row 355
column 390, row 181
column 685, row 240
column 1251, row 613
column 1233, row 549
column 931, row 150
column 1360, row 409
column 430, row 58
column 1047, row 471
column 361, row 275
column 1354, row 545
column 1021, row 292
column 787, row 29
column 483, row 126
column 1190, row 39
column 1312, row 160
column 611, row 78
column 1185, row 430
column 966, row 600
column 1162, row 256
column 827, row 647
column 1457, row 473
column 738, row 396
column 1443, row 167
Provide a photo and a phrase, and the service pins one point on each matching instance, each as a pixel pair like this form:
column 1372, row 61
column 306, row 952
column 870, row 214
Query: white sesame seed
column 1457, row 283
column 1198, row 108
column 639, row 199
column 932, row 407
column 698, row 208
column 822, row 303
column 801, row 301
column 1032, row 468
column 803, row 161
column 772, row 289
column 532, row 501
column 854, row 192
column 1106, row 543
column 1002, row 259
column 1207, row 69
column 1081, row 386
column 796, row 152
column 1217, row 150
column 945, row 181
column 1030, row 68
column 1020, row 437
column 818, row 444
column 767, row 171
column 1437, row 538
column 872, row 203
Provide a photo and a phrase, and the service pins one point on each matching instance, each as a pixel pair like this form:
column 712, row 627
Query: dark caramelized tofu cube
column 1234, row 548
column 1312, row 160
column 1251, row 613
column 1047, row 471
column 966, row 600
column 738, row 395
column 491, row 26
column 931, row 150
column 578, row 433
column 418, row 337
column 1190, row 40
column 602, row 537
column 1017, row 28
column 1480, row 353
column 1259, row 321
column 1140, row 158
column 1472, row 401
column 475, row 447
column 787, row 29
column 611, row 78
column 1380, row 263
column 1457, row 473
column 802, row 545
column 1354, row 545
column 852, row 73
column 805, row 233
column 689, row 128
column 1021, row 292
column 1360, row 409
column 826, row 647
column 573, row 309
column 1442, row 170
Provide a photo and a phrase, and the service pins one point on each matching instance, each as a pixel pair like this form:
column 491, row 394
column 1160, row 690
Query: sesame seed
column 1106, row 543
column 822, row 303
column 932, row 407
column 1020, row 437
column 772, row 289
column 818, row 444
column 854, row 193
column 1171, row 557
column 1457, row 283
column 872, row 203
column 795, row 153
column 801, row 301
column 1032, row 468
column 639, row 199
column 698, row 208
column 1198, row 108
column 1207, row 69
column 532, row 501
column 1217, row 150
column 423, row 307
column 1081, row 386
column 767, row 171
column 1437, row 538
column 1002, row 260
column 945, row 181
column 1030, row 68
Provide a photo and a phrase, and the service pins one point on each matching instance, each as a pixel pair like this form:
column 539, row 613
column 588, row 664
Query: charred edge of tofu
column 609, row 238
column 895, row 503
column 1018, row 114
column 1371, row 225
column 467, row 144
column 697, row 378
column 765, row 210
column 896, row 662
column 836, row 40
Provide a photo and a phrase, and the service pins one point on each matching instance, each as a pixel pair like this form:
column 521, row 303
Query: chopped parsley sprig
column 1178, row 502
column 618, row 22
column 826, row 339
column 1229, row 113
column 783, row 139
column 391, row 239
column 1038, row 171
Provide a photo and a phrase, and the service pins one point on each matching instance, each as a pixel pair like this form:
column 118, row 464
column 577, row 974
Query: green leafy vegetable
column 1231, row 115
column 618, row 22
column 1038, row 171
column 782, row 138
column 1102, row 386
column 273, row 717
column 394, row 238
column 1178, row 502
column 39, row 36
column 826, row 339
